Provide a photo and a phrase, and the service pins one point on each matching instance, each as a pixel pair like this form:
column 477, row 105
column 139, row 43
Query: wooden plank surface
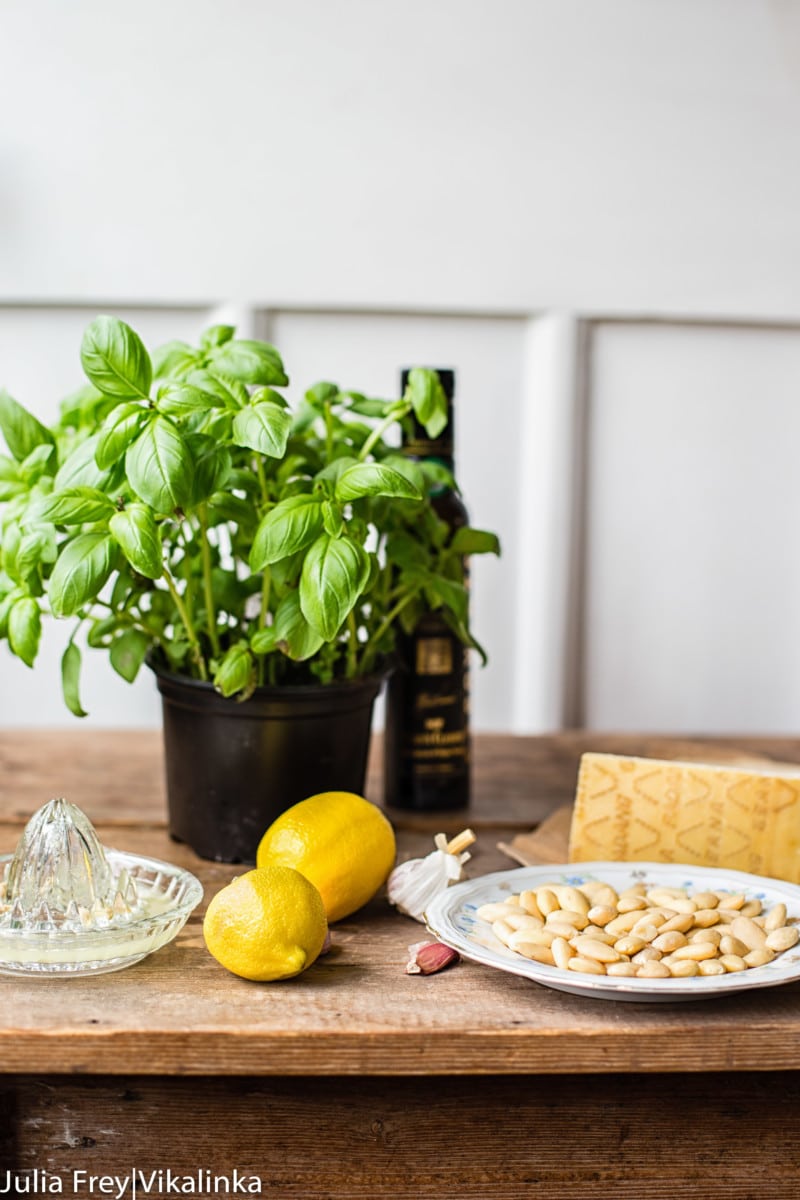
column 117, row 776
column 713, row 1137
column 355, row 1012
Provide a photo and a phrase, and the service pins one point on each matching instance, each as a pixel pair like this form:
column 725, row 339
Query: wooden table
column 358, row 1080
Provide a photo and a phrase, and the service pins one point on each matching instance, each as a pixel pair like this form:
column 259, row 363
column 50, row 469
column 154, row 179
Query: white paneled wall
column 692, row 586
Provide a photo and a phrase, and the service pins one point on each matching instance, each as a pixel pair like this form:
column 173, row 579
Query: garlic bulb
column 413, row 884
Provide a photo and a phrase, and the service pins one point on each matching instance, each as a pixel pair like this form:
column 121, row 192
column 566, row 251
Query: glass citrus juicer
column 69, row 906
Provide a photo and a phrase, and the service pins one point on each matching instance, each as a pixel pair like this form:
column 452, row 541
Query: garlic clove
column 413, row 884
column 429, row 957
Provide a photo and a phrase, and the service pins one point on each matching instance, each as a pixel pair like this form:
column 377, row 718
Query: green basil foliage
column 179, row 509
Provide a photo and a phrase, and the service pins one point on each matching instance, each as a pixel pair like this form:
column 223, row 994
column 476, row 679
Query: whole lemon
column 267, row 924
column 340, row 841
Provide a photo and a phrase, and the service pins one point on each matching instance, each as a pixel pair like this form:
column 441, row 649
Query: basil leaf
column 118, row 433
column 264, row 640
column 115, row 360
column 127, row 653
column 236, row 672
column 25, row 629
column 140, row 538
column 263, row 427
column 337, row 468
column 321, row 394
column 250, row 362
column 6, row 604
column 334, row 572
column 159, row 467
column 332, row 519
column 226, row 507
column 74, row 506
column 39, row 462
column 293, row 631
column 232, row 393
column 212, row 466
column 12, row 538
column 427, row 398
column 82, row 568
column 288, row 527
column 405, row 551
column 366, row 407
column 81, row 469
column 474, row 541
column 70, row 676
column 21, row 430
column 461, row 631
column 216, row 335
column 441, row 592
column 81, row 407
column 37, row 545
column 9, row 470
column 178, row 399
column 99, row 635
column 374, row 479
column 268, row 394
column 412, row 470
column 174, row 359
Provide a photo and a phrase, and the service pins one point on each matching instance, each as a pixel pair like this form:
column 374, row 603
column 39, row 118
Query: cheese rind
column 648, row 810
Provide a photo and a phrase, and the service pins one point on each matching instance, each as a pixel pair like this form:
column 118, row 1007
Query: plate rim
column 611, row 987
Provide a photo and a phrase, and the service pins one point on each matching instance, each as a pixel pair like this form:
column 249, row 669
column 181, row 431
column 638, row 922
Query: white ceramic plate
column 452, row 919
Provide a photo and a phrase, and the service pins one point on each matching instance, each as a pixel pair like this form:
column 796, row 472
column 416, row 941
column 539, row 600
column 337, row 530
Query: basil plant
column 179, row 510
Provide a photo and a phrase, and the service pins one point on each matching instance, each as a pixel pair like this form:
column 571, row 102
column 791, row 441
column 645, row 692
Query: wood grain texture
column 355, row 1012
column 635, row 1138
column 117, row 776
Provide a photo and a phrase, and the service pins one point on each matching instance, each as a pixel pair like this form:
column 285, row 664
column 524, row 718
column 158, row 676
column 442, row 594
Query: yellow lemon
column 340, row 841
column 267, row 924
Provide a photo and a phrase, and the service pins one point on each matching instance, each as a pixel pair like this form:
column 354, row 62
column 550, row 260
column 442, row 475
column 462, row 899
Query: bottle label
column 439, row 740
column 434, row 656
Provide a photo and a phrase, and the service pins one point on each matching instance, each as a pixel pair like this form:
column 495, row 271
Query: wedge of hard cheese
column 643, row 809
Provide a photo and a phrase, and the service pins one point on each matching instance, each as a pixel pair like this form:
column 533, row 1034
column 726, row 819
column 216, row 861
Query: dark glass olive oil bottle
column 426, row 741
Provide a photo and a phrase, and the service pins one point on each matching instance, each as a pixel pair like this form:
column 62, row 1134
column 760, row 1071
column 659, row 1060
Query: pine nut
column 562, row 952
column 546, row 900
column 730, row 899
column 601, row 914
column 667, row 942
column 568, row 916
column 589, row 966
column 776, row 918
column 782, row 939
column 748, row 932
column 649, row 933
column 696, row 950
column 683, row 968
column 589, row 948
column 733, row 962
column 652, row 970
column 528, row 902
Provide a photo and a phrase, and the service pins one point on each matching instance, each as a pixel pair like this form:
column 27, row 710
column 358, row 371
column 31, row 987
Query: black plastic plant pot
column 232, row 767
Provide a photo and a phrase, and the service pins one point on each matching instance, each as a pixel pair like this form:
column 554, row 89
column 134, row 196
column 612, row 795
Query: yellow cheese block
column 646, row 810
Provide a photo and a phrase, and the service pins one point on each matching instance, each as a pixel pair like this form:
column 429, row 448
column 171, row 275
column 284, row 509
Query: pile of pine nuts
column 643, row 932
